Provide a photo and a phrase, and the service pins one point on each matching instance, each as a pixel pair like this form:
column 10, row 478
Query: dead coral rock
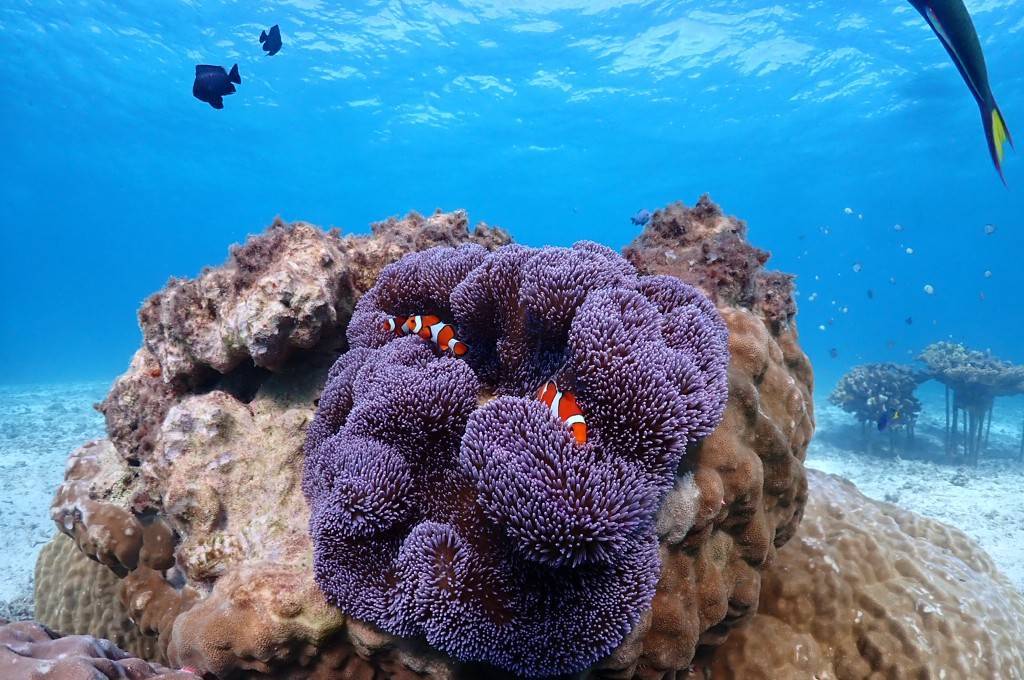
column 136, row 405
column 708, row 249
column 866, row 589
column 78, row 596
column 394, row 238
column 288, row 290
column 218, row 464
column 283, row 291
column 28, row 652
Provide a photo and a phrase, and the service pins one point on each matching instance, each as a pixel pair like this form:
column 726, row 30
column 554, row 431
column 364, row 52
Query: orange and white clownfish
column 437, row 331
column 394, row 324
column 564, row 407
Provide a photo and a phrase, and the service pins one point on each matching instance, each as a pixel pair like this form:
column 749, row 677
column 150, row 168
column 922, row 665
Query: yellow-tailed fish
column 952, row 24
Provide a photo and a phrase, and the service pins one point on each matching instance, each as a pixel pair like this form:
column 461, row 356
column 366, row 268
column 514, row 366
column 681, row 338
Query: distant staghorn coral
column 446, row 499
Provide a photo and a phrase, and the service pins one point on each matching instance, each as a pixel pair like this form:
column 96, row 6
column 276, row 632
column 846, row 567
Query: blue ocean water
column 823, row 125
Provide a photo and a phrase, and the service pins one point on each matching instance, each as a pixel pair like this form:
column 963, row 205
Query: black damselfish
column 213, row 83
column 952, row 24
column 271, row 40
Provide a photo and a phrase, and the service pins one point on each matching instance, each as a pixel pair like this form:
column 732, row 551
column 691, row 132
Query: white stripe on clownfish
column 564, row 407
column 394, row 324
column 437, row 331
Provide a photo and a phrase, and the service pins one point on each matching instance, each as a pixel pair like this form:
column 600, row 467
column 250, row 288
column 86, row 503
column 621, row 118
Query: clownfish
column 437, row 331
column 564, row 407
column 394, row 324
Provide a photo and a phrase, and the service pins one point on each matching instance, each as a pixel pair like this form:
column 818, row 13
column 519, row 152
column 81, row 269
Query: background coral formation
column 196, row 458
column 974, row 379
column 880, row 397
column 489, row 530
column 866, row 589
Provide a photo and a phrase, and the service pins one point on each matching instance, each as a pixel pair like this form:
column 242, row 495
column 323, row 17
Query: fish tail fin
column 233, row 76
column 263, row 36
column 998, row 135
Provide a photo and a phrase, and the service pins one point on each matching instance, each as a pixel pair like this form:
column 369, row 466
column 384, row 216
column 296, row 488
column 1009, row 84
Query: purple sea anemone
column 449, row 503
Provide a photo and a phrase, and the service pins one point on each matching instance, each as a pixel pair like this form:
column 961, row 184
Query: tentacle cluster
column 449, row 502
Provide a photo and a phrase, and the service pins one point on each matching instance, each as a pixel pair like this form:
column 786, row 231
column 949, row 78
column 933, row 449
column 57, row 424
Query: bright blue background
column 556, row 120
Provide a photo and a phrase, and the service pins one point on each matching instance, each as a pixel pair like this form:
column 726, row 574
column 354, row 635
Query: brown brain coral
column 196, row 501
column 747, row 478
column 868, row 590
column 76, row 595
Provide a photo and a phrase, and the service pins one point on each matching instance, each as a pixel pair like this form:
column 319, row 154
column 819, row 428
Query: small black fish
column 641, row 218
column 213, row 83
column 834, row 353
column 271, row 40
column 910, row 321
column 871, row 294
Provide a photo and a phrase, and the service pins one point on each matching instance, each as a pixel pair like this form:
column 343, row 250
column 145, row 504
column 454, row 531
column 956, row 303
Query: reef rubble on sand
column 191, row 514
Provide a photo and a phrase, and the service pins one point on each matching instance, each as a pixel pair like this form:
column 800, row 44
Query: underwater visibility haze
column 622, row 441
column 558, row 120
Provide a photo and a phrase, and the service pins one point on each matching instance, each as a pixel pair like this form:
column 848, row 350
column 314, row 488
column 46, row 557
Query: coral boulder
column 866, row 589
column 29, row 651
column 656, row 529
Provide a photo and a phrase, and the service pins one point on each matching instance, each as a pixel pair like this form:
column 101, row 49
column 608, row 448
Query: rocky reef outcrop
column 866, row 590
column 195, row 500
column 748, row 475
column 709, row 249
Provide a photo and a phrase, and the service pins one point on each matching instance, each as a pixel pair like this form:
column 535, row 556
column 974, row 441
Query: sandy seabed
column 40, row 425
column 985, row 502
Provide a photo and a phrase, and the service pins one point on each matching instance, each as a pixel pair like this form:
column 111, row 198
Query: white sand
column 986, row 502
column 39, row 427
